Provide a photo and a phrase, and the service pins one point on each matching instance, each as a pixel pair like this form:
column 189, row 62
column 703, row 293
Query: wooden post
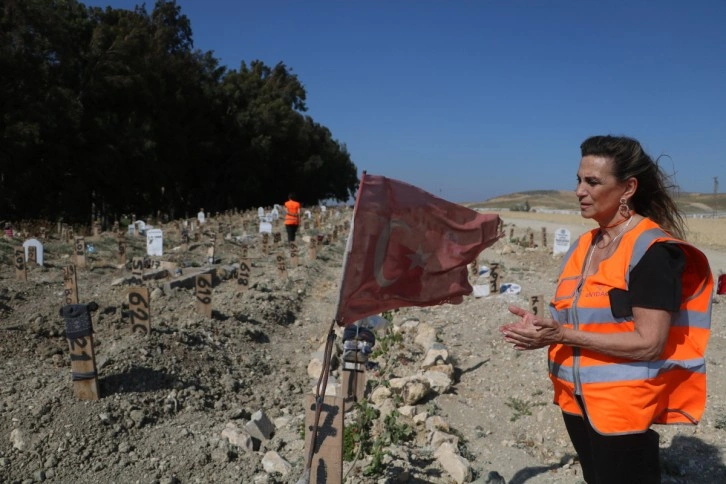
column 21, row 271
column 139, row 312
column 244, row 274
column 354, row 383
column 281, row 269
column 511, row 233
column 494, row 278
column 544, row 236
column 531, row 239
column 211, row 248
column 312, row 249
column 70, row 285
column 204, row 294
column 327, row 466
column 79, row 331
column 137, row 267
column 276, row 239
column 43, row 235
column 79, row 251
column 122, row 252
column 536, row 305
column 265, row 242
column 294, row 260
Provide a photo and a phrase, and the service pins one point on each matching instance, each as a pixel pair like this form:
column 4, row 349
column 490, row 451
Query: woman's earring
column 624, row 208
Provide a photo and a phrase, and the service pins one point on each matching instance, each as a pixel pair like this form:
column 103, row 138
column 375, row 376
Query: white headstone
column 268, row 218
column 130, row 229
column 265, row 227
column 141, row 226
column 154, row 242
column 275, row 214
column 562, row 241
column 308, row 214
column 38, row 250
column 260, row 212
column 201, row 217
column 323, row 208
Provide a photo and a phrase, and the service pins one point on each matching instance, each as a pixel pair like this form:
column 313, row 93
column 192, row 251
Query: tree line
column 110, row 111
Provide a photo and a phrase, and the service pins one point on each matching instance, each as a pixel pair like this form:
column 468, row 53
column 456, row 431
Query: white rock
column 414, row 391
column 260, row 426
column 17, row 438
column 438, row 382
column 273, row 462
column 447, row 370
column 426, row 336
column 436, row 355
column 438, row 438
column 407, row 411
column 237, row 436
column 420, row 418
column 457, row 467
column 315, row 368
column 379, row 394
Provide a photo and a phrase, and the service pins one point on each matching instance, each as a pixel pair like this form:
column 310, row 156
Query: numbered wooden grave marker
column 21, row 272
column 494, row 278
column 531, row 239
column 281, row 269
column 203, row 292
column 294, row 259
column 139, row 313
column 276, row 239
column 211, row 248
column 335, row 234
column 79, row 332
column 70, row 285
column 511, row 233
column 312, row 249
column 327, row 465
column 43, row 234
column 243, row 275
column 137, row 267
column 265, row 242
column 536, row 305
column 244, row 252
column 79, row 251
column 122, row 252
column 544, row 236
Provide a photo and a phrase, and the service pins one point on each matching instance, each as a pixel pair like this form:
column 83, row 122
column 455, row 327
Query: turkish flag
column 407, row 247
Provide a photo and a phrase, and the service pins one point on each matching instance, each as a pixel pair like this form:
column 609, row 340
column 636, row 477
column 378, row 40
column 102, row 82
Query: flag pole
column 321, row 387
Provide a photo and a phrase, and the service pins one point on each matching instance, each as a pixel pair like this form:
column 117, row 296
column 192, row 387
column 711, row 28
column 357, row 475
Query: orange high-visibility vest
column 624, row 396
column 292, row 214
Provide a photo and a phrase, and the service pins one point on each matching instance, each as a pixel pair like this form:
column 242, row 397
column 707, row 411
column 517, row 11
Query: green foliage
column 115, row 109
column 386, row 342
column 524, row 207
column 520, row 407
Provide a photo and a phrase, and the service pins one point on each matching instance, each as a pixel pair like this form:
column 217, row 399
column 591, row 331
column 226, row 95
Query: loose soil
column 166, row 397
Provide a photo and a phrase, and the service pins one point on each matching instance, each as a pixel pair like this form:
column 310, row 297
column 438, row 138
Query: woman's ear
column 631, row 186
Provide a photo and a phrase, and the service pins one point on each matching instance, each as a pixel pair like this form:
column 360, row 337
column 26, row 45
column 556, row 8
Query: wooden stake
column 312, row 249
column 122, row 252
column 204, row 294
column 79, row 251
column 281, row 269
column 354, row 383
column 243, row 275
column 139, row 312
column 544, row 236
column 79, row 331
column 536, row 305
column 494, row 278
column 32, row 255
column 70, row 284
column 294, row 259
column 21, row 271
column 327, row 466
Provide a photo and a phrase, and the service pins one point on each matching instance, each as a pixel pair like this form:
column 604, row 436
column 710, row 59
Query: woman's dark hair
column 652, row 198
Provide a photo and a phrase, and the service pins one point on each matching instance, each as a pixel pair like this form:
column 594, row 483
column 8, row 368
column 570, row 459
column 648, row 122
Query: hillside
column 690, row 203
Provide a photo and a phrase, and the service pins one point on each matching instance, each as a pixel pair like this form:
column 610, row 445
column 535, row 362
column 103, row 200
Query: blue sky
column 473, row 99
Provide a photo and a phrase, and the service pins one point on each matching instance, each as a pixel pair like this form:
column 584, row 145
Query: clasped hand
column 531, row 332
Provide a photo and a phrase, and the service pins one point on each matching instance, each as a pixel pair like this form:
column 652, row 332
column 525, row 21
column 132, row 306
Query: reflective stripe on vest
column 624, row 396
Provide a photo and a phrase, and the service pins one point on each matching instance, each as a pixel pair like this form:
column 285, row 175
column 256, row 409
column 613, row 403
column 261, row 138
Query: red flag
column 408, row 247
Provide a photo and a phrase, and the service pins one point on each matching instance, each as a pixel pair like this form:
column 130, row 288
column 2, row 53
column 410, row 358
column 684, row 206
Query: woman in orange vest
column 292, row 217
column 630, row 318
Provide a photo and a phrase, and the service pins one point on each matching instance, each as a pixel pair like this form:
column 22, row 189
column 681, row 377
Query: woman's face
column 598, row 191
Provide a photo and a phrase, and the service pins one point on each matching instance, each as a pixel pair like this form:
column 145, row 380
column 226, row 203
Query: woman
column 630, row 317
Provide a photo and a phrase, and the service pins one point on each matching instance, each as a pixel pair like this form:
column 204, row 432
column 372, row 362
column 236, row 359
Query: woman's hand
column 531, row 332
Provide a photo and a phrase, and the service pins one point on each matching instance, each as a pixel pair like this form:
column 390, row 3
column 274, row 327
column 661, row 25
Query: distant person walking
column 630, row 318
column 292, row 217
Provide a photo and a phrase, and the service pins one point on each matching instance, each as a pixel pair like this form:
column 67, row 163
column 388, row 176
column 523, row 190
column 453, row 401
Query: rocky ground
column 220, row 398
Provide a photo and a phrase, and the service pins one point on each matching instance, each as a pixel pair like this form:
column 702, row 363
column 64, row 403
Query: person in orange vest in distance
column 631, row 317
column 292, row 217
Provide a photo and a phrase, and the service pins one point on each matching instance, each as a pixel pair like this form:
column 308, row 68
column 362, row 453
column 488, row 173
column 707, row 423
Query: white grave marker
column 261, row 213
column 201, row 217
column 154, row 242
column 38, row 250
column 275, row 214
column 265, row 228
column 562, row 241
